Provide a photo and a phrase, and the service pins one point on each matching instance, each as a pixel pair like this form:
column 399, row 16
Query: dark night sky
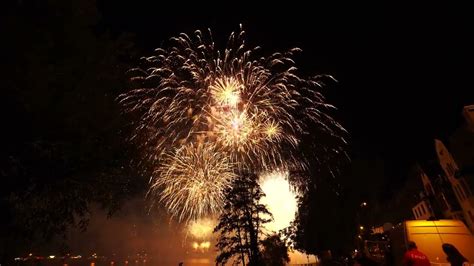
column 404, row 74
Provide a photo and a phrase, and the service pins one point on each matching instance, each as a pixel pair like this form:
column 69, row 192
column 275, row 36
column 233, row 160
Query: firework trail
column 250, row 109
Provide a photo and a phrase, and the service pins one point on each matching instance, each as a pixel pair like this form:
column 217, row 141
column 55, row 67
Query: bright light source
column 279, row 198
column 205, row 245
column 202, row 228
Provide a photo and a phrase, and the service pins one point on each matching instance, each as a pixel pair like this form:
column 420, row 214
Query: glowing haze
column 280, row 199
column 201, row 234
column 202, row 229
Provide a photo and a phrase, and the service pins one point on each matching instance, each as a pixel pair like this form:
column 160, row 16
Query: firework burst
column 191, row 181
column 250, row 112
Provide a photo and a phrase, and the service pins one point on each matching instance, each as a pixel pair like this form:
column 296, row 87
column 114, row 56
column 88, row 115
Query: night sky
column 404, row 73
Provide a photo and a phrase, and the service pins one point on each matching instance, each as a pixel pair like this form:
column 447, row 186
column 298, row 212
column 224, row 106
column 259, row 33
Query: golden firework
column 205, row 114
column 192, row 180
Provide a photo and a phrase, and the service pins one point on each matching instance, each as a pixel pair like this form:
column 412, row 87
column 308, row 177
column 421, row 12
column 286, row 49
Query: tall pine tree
column 241, row 223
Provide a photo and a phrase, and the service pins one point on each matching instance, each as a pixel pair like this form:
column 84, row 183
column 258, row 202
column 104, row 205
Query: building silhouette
column 447, row 190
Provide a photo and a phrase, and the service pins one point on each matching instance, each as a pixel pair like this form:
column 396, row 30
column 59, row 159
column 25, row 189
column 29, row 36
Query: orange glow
column 205, row 245
column 202, row 228
column 202, row 247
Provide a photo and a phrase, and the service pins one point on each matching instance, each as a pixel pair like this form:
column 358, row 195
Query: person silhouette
column 455, row 258
column 413, row 257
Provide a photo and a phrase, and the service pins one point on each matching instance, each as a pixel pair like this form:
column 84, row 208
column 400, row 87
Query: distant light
column 361, row 227
column 364, row 204
column 205, row 245
column 202, row 228
column 17, row 259
column 52, row 256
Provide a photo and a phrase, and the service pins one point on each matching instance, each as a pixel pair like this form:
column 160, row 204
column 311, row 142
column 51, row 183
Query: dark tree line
column 240, row 226
column 63, row 147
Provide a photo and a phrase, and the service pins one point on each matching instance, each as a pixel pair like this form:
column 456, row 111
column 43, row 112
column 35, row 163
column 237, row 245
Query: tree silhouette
column 240, row 224
column 64, row 149
column 275, row 251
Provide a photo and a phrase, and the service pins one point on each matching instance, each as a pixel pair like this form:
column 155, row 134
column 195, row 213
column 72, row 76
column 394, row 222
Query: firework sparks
column 226, row 92
column 251, row 106
column 252, row 110
column 192, row 181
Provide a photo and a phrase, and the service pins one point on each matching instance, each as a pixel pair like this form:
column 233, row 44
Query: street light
column 361, row 211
